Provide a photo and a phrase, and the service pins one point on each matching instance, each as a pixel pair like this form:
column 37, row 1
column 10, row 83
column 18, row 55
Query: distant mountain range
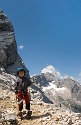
column 63, row 92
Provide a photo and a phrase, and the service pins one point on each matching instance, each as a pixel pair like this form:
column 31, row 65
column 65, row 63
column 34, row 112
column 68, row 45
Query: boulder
column 10, row 117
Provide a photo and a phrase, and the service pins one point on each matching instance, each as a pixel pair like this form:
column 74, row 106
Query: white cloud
column 21, row 47
column 80, row 74
column 78, row 79
column 51, row 69
column 72, row 77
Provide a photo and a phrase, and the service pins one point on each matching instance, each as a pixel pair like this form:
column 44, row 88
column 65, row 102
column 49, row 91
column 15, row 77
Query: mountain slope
column 9, row 57
column 43, row 114
column 66, row 92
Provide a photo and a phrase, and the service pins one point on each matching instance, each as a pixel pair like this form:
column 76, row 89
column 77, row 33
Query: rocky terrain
column 43, row 113
column 53, row 101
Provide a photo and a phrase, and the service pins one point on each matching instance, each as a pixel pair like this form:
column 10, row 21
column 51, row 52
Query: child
column 21, row 91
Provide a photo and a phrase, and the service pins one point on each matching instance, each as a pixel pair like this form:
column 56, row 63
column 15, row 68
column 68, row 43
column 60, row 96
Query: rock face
column 44, row 79
column 9, row 57
column 8, row 47
column 66, row 92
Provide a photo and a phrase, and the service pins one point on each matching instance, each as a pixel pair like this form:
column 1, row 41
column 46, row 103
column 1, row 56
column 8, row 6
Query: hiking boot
column 29, row 113
column 24, row 112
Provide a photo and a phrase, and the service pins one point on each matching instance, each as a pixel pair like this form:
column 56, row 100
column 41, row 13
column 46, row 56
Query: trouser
column 23, row 96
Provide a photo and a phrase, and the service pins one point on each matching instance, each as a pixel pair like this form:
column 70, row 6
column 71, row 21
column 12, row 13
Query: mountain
column 54, row 101
column 43, row 113
column 44, row 79
column 9, row 57
column 66, row 92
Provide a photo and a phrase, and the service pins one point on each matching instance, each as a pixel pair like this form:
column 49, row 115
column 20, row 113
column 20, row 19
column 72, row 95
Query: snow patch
column 54, row 87
column 64, row 92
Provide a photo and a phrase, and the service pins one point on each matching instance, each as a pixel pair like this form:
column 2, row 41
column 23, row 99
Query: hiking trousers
column 23, row 95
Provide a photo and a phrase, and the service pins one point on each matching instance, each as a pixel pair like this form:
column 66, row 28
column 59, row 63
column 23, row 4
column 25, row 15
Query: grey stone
column 0, row 114
column 8, row 44
column 10, row 117
column 9, row 56
column 1, row 97
column 70, row 121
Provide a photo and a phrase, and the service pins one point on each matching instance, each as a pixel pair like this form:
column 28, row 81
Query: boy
column 21, row 91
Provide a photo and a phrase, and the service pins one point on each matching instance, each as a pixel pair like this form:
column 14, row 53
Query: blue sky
column 49, row 32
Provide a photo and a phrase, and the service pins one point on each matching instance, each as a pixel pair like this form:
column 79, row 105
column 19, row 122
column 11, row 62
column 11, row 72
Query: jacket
column 22, row 84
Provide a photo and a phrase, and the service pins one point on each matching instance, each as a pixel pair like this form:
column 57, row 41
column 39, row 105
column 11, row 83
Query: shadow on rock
column 15, row 122
column 41, row 116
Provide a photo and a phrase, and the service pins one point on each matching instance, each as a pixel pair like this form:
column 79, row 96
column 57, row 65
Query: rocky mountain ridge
column 65, row 92
column 9, row 57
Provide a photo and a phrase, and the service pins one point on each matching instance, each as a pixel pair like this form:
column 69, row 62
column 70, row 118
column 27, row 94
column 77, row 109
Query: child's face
column 21, row 73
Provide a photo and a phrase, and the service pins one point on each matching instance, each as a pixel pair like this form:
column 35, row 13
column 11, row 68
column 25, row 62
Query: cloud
column 52, row 70
column 78, row 79
column 21, row 47
column 80, row 74
column 71, row 77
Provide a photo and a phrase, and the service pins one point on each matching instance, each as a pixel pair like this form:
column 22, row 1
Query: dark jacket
column 22, row 84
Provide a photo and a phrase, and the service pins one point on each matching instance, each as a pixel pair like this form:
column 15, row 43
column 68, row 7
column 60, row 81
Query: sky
column 47, row 32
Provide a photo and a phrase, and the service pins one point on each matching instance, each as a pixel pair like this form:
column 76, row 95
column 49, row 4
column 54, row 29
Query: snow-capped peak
column 52, row 70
